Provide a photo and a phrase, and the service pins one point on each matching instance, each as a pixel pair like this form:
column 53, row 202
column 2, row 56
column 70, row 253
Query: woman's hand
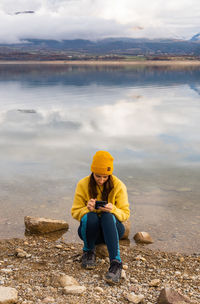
column 91, row 204
column 107, row 208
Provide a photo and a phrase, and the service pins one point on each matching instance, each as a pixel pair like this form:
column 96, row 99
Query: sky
column 98, row 19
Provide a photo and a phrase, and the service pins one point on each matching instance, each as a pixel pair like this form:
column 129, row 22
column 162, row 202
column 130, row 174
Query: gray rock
column 8, row 295
column 43, row 225
column 171, row 296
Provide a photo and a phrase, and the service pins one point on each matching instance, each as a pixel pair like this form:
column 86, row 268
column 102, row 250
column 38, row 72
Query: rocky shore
column 41, row 270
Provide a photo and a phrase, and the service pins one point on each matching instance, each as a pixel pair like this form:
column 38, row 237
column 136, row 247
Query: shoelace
column 114, row 267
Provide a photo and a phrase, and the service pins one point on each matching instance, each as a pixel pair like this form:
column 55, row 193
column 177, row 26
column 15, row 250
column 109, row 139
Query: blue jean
column 104, row 228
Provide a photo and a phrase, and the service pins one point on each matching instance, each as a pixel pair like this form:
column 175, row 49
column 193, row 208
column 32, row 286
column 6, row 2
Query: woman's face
column 100, row 179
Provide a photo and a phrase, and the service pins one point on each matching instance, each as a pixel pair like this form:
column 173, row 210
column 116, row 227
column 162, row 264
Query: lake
column 53, row 118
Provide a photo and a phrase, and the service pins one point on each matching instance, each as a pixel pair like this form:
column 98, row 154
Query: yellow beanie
column 102, row 163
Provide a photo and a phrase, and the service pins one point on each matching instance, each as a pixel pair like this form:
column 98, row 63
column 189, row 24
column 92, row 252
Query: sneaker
column 88, row 259
column 113, row 275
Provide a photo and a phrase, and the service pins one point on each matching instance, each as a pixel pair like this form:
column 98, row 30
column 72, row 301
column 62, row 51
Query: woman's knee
column 89, row 222
column 92, row 220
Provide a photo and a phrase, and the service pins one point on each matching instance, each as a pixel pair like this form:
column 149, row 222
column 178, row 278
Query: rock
column 102, row 251
column 133, row 298
column 59, row 246
column 140, row 258
column 20, row 253
column 98, row 289
column 43, row 225
column 127, row 226
column 8, row 295
column 154, row 283
column 66, row 280
column 5, row 270
column 181, row 259
column 125, row 267
column 123, row 274
column 48, row 300
column 143, row 237
column 74, row 289
column 133, row 280
column 171, row 296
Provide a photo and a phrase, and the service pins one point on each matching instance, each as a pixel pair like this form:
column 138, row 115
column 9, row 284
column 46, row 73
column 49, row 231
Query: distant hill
column 105, row 47
column 196, row 38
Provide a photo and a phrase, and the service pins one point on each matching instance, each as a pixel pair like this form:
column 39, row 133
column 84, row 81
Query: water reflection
column 52, row 120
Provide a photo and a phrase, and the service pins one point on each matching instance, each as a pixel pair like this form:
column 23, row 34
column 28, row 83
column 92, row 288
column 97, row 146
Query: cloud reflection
column 156, row 124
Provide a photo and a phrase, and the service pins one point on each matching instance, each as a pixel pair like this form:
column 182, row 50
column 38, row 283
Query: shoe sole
column 111, row 282
column 88, row 266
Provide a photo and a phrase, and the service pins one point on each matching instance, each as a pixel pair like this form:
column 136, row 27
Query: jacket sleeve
column 121, row 207
column 79, row 207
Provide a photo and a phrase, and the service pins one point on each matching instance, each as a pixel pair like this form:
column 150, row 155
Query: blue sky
column 96, row 19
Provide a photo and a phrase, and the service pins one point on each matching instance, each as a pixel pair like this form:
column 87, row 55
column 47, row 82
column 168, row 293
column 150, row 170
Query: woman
column 101, row 224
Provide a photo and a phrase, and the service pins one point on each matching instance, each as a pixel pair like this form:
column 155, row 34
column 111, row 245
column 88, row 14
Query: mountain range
column 29, row 47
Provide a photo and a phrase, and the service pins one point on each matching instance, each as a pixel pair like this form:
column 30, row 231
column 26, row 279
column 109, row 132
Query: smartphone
column 100, row 204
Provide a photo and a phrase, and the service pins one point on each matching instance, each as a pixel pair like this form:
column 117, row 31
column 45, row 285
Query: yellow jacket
column 118, row 197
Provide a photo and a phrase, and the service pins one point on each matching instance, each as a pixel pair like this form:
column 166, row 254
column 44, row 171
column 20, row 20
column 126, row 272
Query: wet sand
column 180, row 63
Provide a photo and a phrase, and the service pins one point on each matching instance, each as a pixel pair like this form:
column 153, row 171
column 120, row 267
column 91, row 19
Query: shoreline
column 34, row 274
column 106, row 63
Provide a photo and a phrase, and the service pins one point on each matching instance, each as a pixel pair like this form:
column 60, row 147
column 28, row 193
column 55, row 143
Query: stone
column 154, row 283
column 20, row 253
column 8, row 295
column 101, row 251
column 143, row 237
column 171, row 296
column 74, row 289
column 66, row 280
column 123, row 274
column 140, row 258
column 5, row 270
column 43, row 225
column 58, row 246
column 48, row 300
column 125, row 267
column 127, row 226
column 133, row 298
column 98, row 289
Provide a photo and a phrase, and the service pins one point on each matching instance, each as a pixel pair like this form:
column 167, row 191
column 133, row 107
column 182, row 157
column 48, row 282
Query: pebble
column 140, row 258
column 5, row 270
column 48, row 300
column 123, row 274
column 154, row 283
column 133, row 298
column 125, row 267
column 133, row 280
column 98, row 289
column 59, row 246
column 73, row 289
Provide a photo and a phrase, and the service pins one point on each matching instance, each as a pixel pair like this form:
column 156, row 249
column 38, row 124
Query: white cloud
column 93, row 19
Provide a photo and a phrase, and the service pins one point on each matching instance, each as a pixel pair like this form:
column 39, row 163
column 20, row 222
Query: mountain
column 54, row 49
column 196, row 38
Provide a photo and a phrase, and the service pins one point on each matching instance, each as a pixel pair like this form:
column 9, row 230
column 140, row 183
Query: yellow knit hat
column 102, row 163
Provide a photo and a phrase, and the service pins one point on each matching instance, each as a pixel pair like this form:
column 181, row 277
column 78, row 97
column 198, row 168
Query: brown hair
column 107, row 187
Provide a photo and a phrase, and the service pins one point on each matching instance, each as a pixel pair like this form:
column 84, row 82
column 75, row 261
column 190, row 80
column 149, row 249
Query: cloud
column 94, row 19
